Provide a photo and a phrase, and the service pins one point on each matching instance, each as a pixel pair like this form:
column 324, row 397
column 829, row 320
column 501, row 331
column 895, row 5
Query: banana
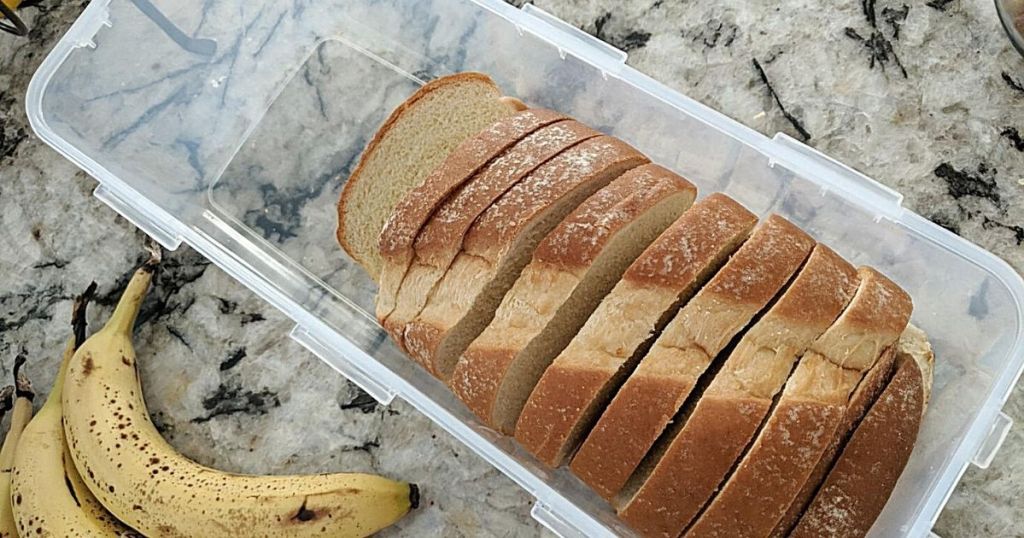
column 21, row 414
column 144, row 482
column 49, row 497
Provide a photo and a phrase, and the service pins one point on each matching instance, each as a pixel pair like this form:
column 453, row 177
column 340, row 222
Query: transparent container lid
column 231, row 126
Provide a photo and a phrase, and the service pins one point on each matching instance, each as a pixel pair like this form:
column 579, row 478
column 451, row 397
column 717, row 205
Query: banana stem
column 123, row 318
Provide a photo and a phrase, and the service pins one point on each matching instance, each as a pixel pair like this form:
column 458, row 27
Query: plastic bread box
column 226, row 125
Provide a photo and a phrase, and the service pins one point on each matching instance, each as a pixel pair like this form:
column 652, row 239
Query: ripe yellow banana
column 21, row 414
column 49, row 498
column 144, row 482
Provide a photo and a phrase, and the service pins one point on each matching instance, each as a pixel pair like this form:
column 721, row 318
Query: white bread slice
column 586, row 374
column 502, row 241
column 414, row 139
column 709, row 441
column 810, row 411
column 440, row 240
column 862, row 479
column 573, row 268
column 913, row 343
column 415, row 208
column 663, row 380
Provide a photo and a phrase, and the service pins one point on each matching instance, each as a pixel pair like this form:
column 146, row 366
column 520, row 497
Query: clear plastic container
column 226, row 125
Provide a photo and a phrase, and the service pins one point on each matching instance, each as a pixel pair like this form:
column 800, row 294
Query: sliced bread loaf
column 859, row 484
column 440, row 240
column 586, row 374
column 809, row 412
column 573, row 268
column 415, row 208
column 709, row 441
column 863, row 398
column 416, row 137
column 502, row 241
column 664, row 378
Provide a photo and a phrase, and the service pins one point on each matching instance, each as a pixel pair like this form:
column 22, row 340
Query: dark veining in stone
column 941, row 5
column 878, row 46
column 365, row 447
column 226, row 306
column 960, row 183
column 179, row 336
column 713, row 33
column 163, row 425
column 17, row 309
column 793, row 120
column 633, row 40
column 234, row 400
column 251, row 317
column 1017, row 231
column 233, row 359
column 361, row 401
column 1013, row 84
column 945, row 222
column 1011, row 134
column 56, row 263
column 977, row 308
column 895, row 18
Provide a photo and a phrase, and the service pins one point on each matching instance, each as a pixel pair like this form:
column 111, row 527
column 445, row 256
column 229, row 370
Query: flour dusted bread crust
column 585, row 375
column 573, row 268
column 709, row 440
column 416, row 137
column 860, row 482
column 808, row 413
column 440, row 240
column 398, row 237
column 501, row 242
column 664, row 378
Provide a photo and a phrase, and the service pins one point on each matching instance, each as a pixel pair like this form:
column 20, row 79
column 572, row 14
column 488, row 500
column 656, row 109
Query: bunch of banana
column 21, row 414
column 48, row 495
column 144, row 482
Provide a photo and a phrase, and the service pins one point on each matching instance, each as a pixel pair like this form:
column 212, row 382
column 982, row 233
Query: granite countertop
column 931, row 108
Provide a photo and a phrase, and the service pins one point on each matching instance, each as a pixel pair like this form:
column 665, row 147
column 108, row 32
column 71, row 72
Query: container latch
column 162, row 233
column 340, row 362
column 570, row 39
column 990, row 446
column 834, row 175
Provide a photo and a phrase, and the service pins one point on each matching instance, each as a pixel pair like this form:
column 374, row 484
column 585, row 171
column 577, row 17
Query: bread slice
column 709, row 441
column 415, row 138
column 440, row 240
column 663, row 379
column 573, row 268
column 398, row 237
column 809, row 412
column 913, row 342
column 501, row 243
column 586, row 374
column 862, row 479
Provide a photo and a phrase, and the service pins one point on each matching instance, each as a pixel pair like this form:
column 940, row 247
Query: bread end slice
column 414, row 139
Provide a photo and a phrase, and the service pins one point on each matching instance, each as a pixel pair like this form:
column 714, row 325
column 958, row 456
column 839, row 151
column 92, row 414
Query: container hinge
column 990, row 446
column 95, row 17
column 544, row 515
column 833, row 175
column 163, row 233
column 340, row 362
column 570, row 39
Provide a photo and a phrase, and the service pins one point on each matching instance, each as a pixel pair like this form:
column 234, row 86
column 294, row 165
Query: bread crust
column 557, row 267
column 656, row 390
column 383, row 131
column 860, row 483
column 415, row 209
column 559, row 410
column 587, row 166
column 727, row 415
column 440, row 240
column 809, row 412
